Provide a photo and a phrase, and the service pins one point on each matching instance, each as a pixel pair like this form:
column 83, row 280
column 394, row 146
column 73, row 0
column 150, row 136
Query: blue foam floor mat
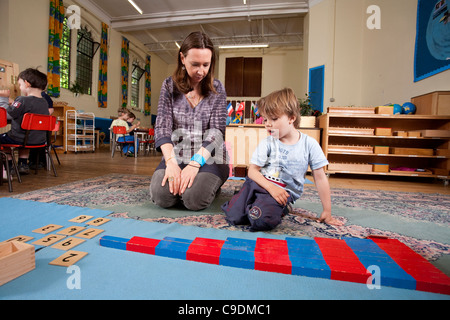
column 107, row 273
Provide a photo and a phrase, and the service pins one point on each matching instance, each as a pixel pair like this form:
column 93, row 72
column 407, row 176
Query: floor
column 82, row 166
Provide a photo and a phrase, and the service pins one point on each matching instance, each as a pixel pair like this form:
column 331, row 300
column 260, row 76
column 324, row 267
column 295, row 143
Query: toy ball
column 398, row 109
column 408, row 108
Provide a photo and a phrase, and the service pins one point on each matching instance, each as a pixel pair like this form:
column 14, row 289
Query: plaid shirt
column 189, row 128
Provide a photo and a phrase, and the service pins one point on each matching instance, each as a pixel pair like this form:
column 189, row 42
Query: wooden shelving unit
column 435, row 164
column 80, row 131
column 60, row 114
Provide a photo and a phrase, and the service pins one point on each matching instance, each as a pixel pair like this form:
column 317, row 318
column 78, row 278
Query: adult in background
column 190, row 130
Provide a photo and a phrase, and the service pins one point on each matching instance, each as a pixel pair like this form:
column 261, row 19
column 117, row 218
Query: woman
column 190, row 130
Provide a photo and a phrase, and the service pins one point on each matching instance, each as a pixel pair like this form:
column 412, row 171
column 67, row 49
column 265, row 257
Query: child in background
column 32, row 83
column 122, row 121
column 278, row 168
column 131, row 119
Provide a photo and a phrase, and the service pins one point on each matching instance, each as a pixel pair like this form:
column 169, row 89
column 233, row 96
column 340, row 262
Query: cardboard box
column 381, row 150
column 16, row 259
column 384, row 110
column 383, row 131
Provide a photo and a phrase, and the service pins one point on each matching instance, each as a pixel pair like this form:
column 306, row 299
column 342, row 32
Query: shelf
column 80, row 148
column 418, row 158
column 385, row 116
column 386, row 137
column 388, row 155
column 398, row 174
column 81, row 116
column 79, row 131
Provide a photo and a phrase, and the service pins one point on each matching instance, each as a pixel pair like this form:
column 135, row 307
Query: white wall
column 367, row 67
column 363, row 67
column 281, row 68
column 24, row 40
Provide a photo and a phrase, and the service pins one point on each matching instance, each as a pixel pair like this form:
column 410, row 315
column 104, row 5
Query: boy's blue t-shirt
column 286, row 165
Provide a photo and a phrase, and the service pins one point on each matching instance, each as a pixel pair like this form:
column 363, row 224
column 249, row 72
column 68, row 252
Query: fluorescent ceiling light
column 178, row 46
column 245, row 46
column 135, row 6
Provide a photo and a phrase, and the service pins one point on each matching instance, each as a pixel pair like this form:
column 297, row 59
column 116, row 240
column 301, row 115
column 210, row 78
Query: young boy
column 32, row 83
column 122, row 121
column 278, row 168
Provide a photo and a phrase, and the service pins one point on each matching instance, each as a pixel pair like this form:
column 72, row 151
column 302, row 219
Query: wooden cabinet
column 242, row 140
column 352, row 146
column 433, row 103
column 9, row 72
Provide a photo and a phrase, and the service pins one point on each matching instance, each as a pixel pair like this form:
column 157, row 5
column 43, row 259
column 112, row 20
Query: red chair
column 150, row 141
column 35, row 122
column 120, row 130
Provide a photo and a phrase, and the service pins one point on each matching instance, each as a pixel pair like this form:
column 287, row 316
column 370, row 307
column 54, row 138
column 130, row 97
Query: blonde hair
column 281, row 102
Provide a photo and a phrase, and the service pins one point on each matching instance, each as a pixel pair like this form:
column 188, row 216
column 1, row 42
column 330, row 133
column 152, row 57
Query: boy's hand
column 5, row 93
column 279, row 194
column 326, row 217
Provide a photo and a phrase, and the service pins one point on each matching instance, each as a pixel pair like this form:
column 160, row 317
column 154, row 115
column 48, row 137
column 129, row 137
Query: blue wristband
column 199, row 159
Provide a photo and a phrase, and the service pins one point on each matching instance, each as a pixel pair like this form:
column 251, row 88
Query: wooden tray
column 16, row 259
column 354, row 149
column 412, row 151
column 351, row 131
column 354, row 110
column 435, row 133
column 355, row 167
column 426, row 172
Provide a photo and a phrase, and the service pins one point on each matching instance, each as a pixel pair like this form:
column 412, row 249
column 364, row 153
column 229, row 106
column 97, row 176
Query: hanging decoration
column 103, row 69
column 55, row 35
column 148, row 87
column 125, row 59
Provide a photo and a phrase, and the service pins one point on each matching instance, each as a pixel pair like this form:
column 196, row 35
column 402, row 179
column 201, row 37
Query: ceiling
column 164, row 22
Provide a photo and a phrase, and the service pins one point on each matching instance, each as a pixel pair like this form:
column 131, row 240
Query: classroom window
column 136, row 76
column 86, row 49
column 64, row 53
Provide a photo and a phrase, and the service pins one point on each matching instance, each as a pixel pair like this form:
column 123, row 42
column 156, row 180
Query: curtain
column 125, row 58
column 103, row 69
column 148, row 87
column 55, row 34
